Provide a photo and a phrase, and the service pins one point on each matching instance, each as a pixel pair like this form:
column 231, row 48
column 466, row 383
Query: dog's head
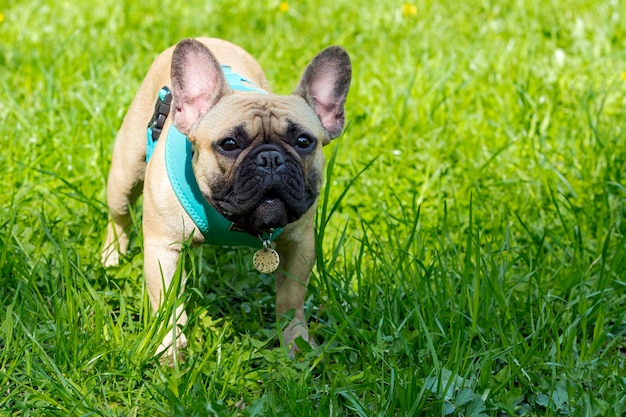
column 258, row 157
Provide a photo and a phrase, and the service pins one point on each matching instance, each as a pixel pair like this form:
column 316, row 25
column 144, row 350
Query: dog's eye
column 228, row 144
column 304, row 141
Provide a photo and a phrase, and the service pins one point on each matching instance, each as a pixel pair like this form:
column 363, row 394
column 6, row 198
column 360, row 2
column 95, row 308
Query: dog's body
column 257, row 159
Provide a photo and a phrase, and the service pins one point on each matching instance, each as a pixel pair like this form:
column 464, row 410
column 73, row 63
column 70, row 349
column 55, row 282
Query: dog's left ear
column 324, row 85
column 197, row 83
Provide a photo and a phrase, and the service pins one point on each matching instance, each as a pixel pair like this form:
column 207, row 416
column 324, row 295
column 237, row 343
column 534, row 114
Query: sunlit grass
column 471, row 239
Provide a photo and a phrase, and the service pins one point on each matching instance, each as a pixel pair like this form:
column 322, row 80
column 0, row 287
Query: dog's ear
column 324, row 85
column 197, row 83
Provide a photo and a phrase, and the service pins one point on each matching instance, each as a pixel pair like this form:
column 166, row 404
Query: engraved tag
column 266, row 260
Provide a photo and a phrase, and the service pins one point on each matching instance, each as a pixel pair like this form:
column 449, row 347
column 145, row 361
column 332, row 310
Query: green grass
column 476, row 264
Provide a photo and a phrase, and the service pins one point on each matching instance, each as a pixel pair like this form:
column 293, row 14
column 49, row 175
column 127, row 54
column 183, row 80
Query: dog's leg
column 126, row 177
column 118, row 229
column 297, row 260
column 124, row 186
column 160, row 262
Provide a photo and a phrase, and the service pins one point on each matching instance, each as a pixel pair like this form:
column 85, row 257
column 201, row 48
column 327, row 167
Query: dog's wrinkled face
column 261, row 167
column 258, row 157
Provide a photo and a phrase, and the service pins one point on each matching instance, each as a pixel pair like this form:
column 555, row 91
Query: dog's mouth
column 270, row 213
column 264, row 213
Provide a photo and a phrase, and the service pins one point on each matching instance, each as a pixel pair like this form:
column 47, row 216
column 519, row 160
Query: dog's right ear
column 197, row 83
column 324, row 85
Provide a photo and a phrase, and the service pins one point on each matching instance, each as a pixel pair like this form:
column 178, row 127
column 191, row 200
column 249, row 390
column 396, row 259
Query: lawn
column 471, row 231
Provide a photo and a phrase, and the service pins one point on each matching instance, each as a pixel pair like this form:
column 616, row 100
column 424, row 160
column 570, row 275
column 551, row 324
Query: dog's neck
column 238, row 82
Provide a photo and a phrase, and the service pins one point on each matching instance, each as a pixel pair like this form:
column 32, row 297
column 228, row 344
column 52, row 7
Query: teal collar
column 240, row 83
column 216, row 229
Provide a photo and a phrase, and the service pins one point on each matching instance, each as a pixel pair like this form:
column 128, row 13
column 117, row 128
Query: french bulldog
column 255, row 160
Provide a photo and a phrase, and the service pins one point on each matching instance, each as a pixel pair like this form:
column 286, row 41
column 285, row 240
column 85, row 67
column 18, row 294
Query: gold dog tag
column 266, row 260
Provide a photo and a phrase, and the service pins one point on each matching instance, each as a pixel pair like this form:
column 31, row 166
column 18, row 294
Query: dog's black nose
column 270, row 160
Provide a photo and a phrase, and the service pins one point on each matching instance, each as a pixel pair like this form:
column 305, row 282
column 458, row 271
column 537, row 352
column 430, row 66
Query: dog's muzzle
column 269, row 190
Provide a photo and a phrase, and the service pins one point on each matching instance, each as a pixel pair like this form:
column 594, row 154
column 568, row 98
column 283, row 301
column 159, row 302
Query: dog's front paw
column 110, row 256
column 292, row 332
column 115, row 244
column 169, row 352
